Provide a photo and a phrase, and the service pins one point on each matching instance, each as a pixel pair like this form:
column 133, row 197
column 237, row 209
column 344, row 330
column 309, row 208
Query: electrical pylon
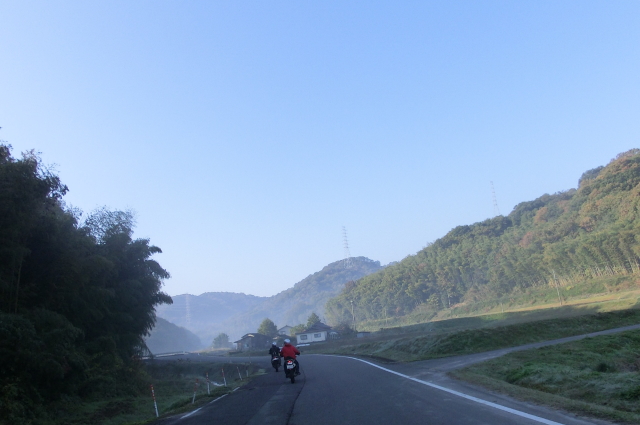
column 496, row 210
column 347, row 255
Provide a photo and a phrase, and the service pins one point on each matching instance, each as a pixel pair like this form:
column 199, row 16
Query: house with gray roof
column 316, row 333
column 253, row 341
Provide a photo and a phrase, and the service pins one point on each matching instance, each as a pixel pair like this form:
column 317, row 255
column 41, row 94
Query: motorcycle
column 290, row 369
column 275, row 362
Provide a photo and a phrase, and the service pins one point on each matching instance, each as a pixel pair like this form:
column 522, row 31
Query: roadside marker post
column 557, row 289
column 208, row 390
column 225, row 379
column 239, row 374
column 195, row 387
column 153, row 394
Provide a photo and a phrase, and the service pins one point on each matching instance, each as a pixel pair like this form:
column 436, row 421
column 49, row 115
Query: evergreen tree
column 312, row 320
column 222, row 340
column 268, row 328
column 75, row 300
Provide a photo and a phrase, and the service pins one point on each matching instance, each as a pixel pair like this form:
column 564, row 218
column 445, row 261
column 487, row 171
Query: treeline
column 580, row 232
column 76, row 298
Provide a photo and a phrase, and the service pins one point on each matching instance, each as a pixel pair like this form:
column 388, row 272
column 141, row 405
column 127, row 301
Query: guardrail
column 176, row 353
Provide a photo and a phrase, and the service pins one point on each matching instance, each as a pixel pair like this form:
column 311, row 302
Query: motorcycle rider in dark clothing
column 274, row 350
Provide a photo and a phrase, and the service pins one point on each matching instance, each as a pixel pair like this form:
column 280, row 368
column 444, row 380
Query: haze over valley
column 412, row 187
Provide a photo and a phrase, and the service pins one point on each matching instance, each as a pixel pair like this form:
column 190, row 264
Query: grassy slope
column 595, row 376
column 588, row 293
column 468, row 335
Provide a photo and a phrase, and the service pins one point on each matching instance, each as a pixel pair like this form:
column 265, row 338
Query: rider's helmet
column 287, row 341
column 274, row 343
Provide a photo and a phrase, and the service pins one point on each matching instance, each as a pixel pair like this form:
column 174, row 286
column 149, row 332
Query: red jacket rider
column 289, row 350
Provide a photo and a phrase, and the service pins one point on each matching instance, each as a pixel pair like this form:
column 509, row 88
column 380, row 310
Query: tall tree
column 78, row 298
column 222, row 340
column 312, row 320
column 268, row 328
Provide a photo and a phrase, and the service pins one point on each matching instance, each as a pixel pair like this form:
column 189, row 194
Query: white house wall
column 311, row 337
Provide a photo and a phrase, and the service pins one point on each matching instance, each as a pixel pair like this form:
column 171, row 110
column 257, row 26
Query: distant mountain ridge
column 236, row 314
column 199, row 312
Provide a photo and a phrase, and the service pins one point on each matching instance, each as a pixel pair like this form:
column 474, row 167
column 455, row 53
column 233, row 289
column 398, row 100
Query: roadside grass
column 598, row 377
column 174, row 384
column 485, row 333
column 604, row 290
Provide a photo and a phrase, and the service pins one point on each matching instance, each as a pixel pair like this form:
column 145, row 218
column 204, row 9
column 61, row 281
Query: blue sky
column 245, row 134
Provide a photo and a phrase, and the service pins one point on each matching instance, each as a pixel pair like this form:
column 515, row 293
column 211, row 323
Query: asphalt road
column 344, row 390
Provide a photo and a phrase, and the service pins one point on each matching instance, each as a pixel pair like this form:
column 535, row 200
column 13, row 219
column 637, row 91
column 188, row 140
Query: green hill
column 294, row 305
column 567, row 238
column 236, row 314
column 166, row 337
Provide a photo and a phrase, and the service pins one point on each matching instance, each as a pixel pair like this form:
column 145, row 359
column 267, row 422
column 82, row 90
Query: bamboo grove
column 77, row 298
column 582, row 233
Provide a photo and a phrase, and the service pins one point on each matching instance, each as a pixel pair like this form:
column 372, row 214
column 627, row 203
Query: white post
column 556, row 282
column 153, row 394
column 195, row 386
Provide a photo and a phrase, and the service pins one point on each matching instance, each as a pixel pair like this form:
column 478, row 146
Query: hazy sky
column 245, row 134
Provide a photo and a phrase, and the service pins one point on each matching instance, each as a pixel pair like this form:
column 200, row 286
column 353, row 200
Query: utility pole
column 557, row 289
column 354, row 316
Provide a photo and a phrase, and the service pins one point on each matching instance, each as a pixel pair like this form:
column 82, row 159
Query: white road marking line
column 191, row 413
column 212, row 401
column 459, row 394
column 222, row 396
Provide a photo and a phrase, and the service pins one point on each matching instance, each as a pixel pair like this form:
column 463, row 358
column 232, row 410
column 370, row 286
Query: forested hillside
column 166, row 337
column 207, row 311
column 294, row 305
column 76, row 298
column 579, row 234
column 237, row 314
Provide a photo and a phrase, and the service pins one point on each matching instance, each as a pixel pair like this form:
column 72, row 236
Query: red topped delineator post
column 153, row 394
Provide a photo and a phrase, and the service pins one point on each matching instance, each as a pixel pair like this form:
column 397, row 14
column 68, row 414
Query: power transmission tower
column 496, row 210
column 347, row 255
